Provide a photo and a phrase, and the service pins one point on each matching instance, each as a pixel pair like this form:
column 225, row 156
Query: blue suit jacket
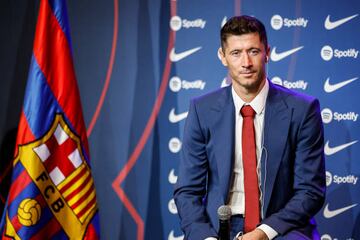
column 292, row 163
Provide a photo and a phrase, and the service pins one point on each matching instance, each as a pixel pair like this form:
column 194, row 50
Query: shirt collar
column 258, row 103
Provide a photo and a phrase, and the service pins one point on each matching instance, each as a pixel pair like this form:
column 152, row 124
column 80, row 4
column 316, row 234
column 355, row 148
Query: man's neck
column 247, row 95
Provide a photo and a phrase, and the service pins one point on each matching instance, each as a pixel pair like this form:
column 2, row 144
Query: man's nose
column 246, row 61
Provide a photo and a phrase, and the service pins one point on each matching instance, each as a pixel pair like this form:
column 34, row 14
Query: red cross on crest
column 60, row 155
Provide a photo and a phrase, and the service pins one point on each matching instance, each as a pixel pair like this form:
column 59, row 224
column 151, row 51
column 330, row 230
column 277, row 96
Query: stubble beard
column 252, row 86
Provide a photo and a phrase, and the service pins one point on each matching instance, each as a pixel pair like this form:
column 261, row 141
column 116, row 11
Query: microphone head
column 224, row 212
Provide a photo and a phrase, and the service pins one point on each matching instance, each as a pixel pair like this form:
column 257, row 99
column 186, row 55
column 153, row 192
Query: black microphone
column 224, row 214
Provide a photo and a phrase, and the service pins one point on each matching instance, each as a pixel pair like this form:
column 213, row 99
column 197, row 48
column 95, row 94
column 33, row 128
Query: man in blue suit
column 288, row 149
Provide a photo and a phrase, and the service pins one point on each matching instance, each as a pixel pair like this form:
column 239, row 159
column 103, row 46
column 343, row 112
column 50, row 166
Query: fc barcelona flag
column 52, row 193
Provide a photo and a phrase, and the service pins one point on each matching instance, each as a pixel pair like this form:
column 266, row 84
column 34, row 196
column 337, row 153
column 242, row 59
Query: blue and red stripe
column 40, row 104
column 53, row 55
column 93, row 228
column 21, row 180
column 59, row 9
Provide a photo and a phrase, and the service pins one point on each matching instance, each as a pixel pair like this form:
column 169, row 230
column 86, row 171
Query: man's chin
column 251, row 84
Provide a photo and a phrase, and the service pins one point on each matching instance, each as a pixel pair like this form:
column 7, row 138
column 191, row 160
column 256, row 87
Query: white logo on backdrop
column 332, row 213
column 277, row 81
column 172, row 207
column 327, row 116
column 332, row 150
column 172, row 237
column 328, row 87
column 223, row 21
column 326, row 237
column 328, row 178
column 197, row 84
column 329, row 25
column 176, row 23
column 176, row 84
column 175, row 118
column 172, row 177
column 175, row 57
column 299, row 84
column 225, row 82
column 174, row 145
column 279, row 56
column 277, row 22
column 336, row 179
column 327, row 53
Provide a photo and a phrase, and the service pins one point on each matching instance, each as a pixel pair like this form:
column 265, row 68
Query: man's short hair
column 239, row 25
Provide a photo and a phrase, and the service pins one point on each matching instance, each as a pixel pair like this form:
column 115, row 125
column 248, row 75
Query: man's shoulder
column 213, row 97
column 293, row 97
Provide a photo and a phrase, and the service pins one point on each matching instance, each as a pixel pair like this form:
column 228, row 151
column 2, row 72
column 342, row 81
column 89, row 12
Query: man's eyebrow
column 249, row 49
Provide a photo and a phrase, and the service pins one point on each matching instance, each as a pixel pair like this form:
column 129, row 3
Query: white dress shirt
column 237, row 197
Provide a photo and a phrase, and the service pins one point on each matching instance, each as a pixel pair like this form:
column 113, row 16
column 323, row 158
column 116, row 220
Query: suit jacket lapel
column 277, row 121
column 223, row 125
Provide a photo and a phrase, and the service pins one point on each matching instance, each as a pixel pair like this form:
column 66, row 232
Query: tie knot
column 247, row 111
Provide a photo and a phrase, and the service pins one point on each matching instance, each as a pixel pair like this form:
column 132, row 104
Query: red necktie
column 251, row 186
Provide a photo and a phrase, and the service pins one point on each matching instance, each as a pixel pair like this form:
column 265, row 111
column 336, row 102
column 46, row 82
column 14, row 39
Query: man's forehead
column 248, row 40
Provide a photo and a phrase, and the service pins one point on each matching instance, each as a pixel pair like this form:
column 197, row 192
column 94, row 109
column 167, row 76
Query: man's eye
column 254, row 52
column 235, row 53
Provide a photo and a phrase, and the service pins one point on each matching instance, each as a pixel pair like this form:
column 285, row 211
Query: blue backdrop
column 139, row 62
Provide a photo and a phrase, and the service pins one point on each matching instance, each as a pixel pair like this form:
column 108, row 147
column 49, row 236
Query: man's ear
column 221, row 56
column 267, row 57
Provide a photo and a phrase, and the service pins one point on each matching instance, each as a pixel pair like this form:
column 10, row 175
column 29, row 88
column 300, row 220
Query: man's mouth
column 247, row 73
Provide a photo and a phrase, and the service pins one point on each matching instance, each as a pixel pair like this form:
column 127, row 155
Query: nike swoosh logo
column 172, row 177
column 332, row 150
column 224, row 83
column 333, row 87
column 223, row 21
column 174, row 118
column 329, row 25
column 332, row 213
column 172, row 237
column 278, row 56
column 172, row 207
column 174, row 57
